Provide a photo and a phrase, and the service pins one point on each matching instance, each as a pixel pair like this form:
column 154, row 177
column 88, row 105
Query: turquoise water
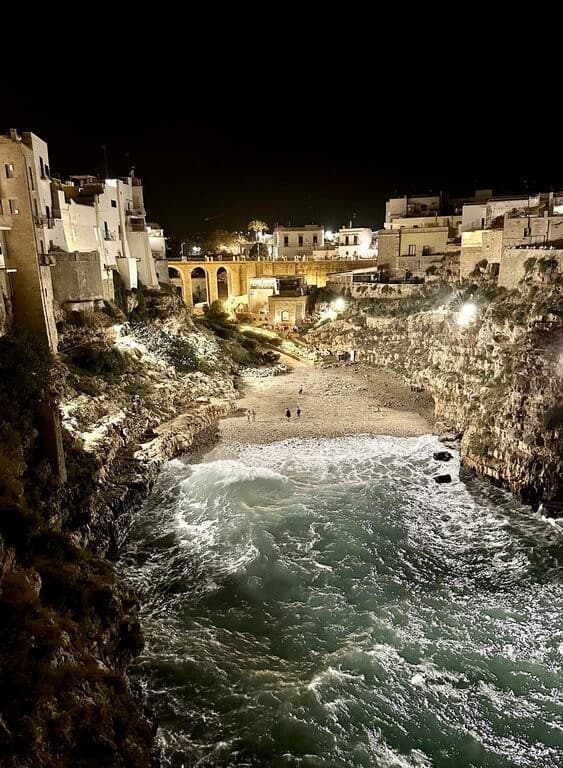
column 326, row 603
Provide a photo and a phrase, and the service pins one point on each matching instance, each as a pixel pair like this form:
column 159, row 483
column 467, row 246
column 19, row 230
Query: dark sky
column 215, row 151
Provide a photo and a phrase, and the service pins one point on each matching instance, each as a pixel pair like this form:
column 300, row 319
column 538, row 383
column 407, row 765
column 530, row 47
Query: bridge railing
column 241, row 258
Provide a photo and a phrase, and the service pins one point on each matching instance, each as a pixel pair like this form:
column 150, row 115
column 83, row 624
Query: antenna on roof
column 106, row 168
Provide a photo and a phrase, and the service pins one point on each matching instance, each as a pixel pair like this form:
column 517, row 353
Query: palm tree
column 257, row 226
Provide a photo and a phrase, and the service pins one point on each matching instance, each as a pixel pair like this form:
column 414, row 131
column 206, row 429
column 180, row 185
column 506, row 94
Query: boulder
column 443, row 478
column 442, row 455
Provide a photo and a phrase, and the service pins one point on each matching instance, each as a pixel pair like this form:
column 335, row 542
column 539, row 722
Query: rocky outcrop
column 131, row 395
column 496, row 377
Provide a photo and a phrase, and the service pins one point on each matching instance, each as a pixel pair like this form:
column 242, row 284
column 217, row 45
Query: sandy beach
column 336, row 401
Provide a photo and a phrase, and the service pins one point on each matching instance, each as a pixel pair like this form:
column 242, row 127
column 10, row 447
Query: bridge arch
column 176, row 278
column 222, row 278
column 199, row 286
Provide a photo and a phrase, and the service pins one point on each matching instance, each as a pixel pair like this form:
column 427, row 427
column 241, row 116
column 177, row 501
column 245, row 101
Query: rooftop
column 297, row 229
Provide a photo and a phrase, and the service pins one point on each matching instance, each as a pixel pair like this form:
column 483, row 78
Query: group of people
column 297, row 410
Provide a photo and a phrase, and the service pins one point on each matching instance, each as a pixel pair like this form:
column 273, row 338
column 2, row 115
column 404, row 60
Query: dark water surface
column 326, row 603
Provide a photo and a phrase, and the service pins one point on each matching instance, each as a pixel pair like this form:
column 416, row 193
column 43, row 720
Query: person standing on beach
column 253, row 413
column 288, row 414
column 298, row 411
column 248, row 414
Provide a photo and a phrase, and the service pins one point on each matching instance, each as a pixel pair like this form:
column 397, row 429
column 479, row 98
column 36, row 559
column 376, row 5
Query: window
column 42, row 166
column 315, row 239
column 9, row 170
column 114, row 203
column 426, row 250
column 48, row 211
column 285, row 241
column 36, row 207
column 346, row 240
column 284, row 315
column 300, row 240
column 355, row 239
column 31, row 182
column 14, row 206
column 527, row 231
column 412, row 250
column 47, row 171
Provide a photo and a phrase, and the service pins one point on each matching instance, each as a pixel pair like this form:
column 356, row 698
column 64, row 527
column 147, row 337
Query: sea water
column 327, row 603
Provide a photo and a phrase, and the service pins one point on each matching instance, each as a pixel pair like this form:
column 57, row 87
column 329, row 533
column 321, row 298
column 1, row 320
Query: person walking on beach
column 253, row 414
column 248, row 414
column 288, row 414
column 298, row 411
column 300, row 390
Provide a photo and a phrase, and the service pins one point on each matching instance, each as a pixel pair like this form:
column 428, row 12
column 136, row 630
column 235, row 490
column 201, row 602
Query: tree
column 222, row 240
column 258, row 227
column 259, row 250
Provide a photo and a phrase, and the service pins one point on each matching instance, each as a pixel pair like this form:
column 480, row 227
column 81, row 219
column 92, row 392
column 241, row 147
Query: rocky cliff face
column 497, row 380
column 131, row 395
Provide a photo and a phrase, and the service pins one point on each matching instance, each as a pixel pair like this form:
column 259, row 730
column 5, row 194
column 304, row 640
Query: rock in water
column 442, row 455
column 443, row 478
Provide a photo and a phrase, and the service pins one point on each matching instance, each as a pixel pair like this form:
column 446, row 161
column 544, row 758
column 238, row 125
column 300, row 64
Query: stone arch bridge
column 207, row 281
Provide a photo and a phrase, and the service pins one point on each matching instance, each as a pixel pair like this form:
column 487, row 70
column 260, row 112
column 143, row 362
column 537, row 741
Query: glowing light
column 466, row 313
column 196, row 249
column 338, row 305
column 329, row 234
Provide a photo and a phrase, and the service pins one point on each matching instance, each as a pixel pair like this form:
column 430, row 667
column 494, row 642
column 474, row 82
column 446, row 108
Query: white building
column 296, row 243
column 355, row 243
column 157, row 242
column 108, row 217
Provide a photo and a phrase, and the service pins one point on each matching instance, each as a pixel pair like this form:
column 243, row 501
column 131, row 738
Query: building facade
column 297, row 243
column 25, row 215
column 493, row 229
column 355, row 243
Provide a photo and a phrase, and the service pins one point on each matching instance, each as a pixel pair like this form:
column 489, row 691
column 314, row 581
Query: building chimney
column 14, row 134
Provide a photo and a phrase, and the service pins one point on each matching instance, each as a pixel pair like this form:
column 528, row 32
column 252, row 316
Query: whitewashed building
column 108, row 217
column 355, row 243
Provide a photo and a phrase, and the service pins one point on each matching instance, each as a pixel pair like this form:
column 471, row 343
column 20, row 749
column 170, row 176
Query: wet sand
column 336, row 401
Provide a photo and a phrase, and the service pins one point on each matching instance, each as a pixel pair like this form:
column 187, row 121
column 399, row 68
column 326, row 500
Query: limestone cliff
column 497, row 380
column 132, row 393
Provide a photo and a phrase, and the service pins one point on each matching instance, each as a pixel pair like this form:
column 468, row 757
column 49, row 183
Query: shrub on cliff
column 99, row 359
column 553, row 418
column 217, row 320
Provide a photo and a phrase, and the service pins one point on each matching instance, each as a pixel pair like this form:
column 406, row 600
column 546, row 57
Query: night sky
column 216, row 152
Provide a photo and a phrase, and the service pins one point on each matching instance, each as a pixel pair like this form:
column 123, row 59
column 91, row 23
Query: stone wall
column 76, row 277
column 494, row 381
column 546, row 262
column 383, row 290
column 480, row 245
